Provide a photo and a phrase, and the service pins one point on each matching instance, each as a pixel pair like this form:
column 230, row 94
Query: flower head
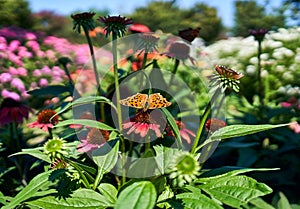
column 183, row 131
column 94, row 139
column 58, row 164
column 295, row 126
column 184, row 168
column 141, row 123
column 180, row 51
column 12, row 110
column 55, row 148
column 189, row 34
column 84, row 20
column 214, row 124
column 43, row 121
column 226, row 77
column 147, row 43
column 259, row 34
column 115, row 24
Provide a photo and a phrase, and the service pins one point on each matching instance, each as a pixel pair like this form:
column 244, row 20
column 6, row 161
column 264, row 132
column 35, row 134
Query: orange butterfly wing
column 157, row 101
column 137, row 101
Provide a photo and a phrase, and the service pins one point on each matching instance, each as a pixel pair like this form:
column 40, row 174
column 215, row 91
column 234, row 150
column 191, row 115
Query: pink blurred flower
column 8, row 94
column 23, row 53
column 13, row 45
column 15, row 59
column 25, row 95
column 3, row 40
column 5, row 77
column 57, row 71
column 33, row 45
column 22, row 71
column 33, row 85
column 12, row 110
column 50, row 54
column 18, row 84
column 13, row 71
column 291, row 102
column 46, row 70
column 37, row 73
column 43, row 82
column 295, row 127
column 40, row 53
column 30, row 36
column 3, row 43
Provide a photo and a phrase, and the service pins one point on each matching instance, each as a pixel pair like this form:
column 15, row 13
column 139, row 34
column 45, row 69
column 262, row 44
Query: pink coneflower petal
column 142, row 129
column 184, row 134
column 155, row 127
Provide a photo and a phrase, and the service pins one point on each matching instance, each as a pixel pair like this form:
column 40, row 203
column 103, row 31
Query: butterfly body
column 145, row 102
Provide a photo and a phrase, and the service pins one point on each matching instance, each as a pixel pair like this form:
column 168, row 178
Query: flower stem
column 144, row 60
column 176, row 64
column 18, row 148
column 119, row 113
column 86, row 31
column 260, row 89
column 98, row 178
column 50, row 133
column 203, row 119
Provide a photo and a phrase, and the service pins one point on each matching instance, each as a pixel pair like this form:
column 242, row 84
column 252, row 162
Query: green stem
column 101, row 106
column 260, row 89
column 98, row 178
column 119, row 113
column 50, row 133
column 176, row 64
column 18, row 148
column 203, row 120
column 144, row 60
column 86, row 31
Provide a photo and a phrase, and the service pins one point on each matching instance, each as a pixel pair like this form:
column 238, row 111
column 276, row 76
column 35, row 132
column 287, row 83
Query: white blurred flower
column 253, row 60
column 264, row 73
column 280, row 68
column 264, row 56
column 287, row 76
column 250, row 70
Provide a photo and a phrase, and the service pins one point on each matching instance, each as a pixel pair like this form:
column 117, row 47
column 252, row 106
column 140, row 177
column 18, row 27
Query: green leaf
column 109, row 191
column 35, row 152
column 40, row 181
column 174, row 127
column 228, row 171
column 81, row 199
column 295, row 206
column 51, row 90
column 235, row 190
column 143, row 167
column 164, row 155
column 196, row 200
column 85, row 100
column 139, row 195
column 106, row 156
column 261, row 204
column 238, row 130
column 283, row 202
column 85, row 122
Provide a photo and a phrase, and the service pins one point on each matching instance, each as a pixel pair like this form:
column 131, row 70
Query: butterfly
column 145, row 102
column 189, row 34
